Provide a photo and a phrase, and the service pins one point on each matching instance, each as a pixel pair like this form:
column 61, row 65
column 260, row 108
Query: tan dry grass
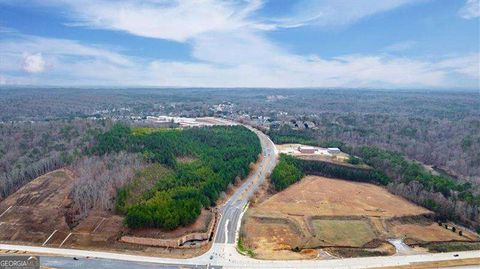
column 354, row 233
column 320, row 196
column 426, row 233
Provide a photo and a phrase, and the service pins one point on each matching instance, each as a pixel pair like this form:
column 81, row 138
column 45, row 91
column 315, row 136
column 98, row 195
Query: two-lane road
column 232, row 210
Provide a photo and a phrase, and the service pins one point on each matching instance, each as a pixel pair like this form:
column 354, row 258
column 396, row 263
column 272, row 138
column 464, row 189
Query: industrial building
column 333, row 151
column 307, row 149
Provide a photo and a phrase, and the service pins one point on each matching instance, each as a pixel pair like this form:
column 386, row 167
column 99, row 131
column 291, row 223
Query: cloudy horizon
column 240, row 43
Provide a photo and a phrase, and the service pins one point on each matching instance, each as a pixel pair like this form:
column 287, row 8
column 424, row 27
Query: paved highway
column 69, row 263
column 223, row 252
column 233, row 208
column 225, row 256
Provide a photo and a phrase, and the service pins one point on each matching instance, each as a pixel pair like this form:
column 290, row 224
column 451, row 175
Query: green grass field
column 354, row 233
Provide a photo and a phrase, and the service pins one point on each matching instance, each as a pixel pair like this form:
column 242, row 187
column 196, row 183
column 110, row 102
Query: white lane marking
column 239, row 222
column 98, row 225
column 49, row 238
column 226, row 231
column 6, row 211
column 219, row 218
column 65, row 240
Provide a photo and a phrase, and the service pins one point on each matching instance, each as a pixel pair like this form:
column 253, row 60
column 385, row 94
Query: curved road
column 223, row 252
column 232, row 210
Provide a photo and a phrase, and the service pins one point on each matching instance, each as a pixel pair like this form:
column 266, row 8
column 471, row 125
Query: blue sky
column 241, row 43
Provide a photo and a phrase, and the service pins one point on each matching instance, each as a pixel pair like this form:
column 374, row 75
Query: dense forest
column 215, row 157
column 285, row 134
column 31, row 149
column 452, row 144
column 439, row 128
column 448, row 197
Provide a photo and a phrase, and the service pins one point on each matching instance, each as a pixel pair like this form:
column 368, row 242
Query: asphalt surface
column 81, row 262
column 231, row 211
column 225, row 256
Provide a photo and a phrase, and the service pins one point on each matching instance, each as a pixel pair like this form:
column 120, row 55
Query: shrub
column 353, row 160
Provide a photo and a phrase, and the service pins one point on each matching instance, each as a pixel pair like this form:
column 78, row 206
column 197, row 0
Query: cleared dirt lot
column 35, row 215
column 320, row 196
column 320, row 154
column 321, row 213
column 429, row 232
column 31, row 214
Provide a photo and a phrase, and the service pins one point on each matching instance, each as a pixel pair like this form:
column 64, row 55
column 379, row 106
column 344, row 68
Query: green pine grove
column 219, row 155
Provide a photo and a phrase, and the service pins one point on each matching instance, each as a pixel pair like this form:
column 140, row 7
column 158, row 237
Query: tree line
column 31, row 149
column 285, row 134
column 450, row 198
column 290, row 170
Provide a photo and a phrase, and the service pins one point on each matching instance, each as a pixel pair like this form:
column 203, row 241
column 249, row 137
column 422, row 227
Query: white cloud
column 292, row 71
column 470, row 10
column 28, row 53
column 63, row 61
column 336, row 12
column 348, row 72
column 468, row 65
column 254, row 62
column 229, row 49
column 232, row 48
column 56, row 46
column 33, row 63
column 165, row 19
column 181, row 20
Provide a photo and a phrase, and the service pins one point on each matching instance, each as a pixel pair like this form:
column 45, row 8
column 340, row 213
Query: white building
column 307, row 149
column 333, row 151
